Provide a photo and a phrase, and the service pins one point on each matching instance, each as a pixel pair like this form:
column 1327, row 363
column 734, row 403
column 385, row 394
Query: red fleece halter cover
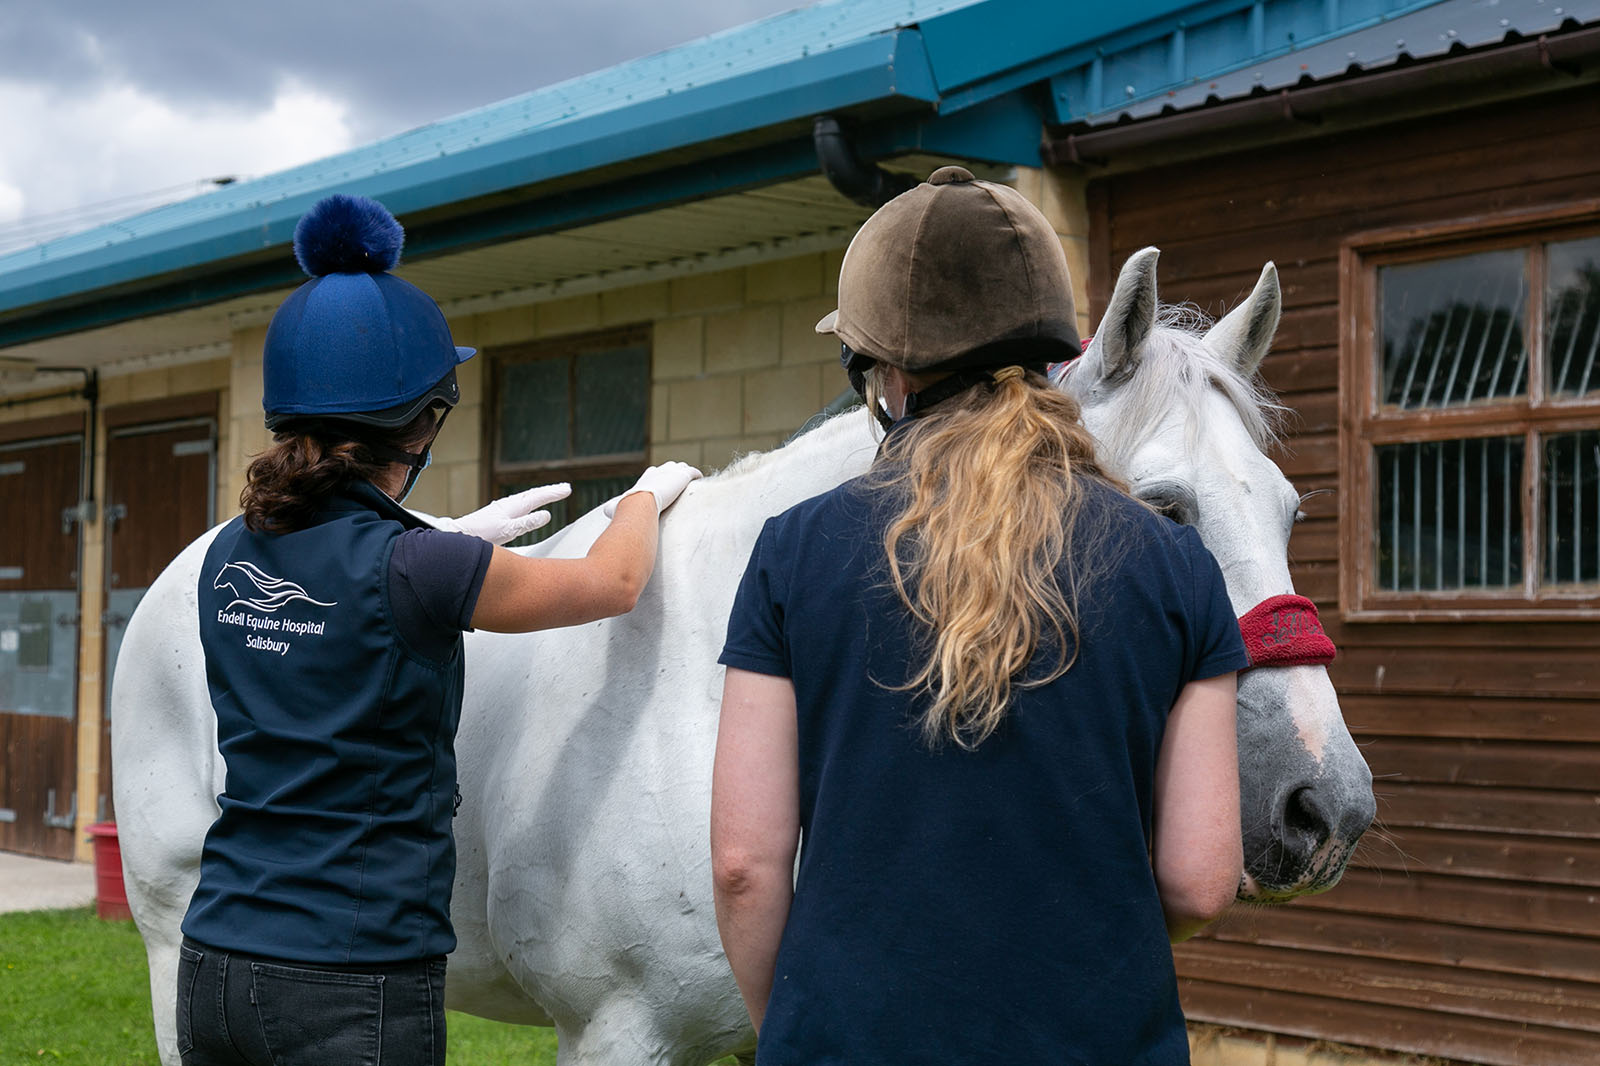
column 1284, row 631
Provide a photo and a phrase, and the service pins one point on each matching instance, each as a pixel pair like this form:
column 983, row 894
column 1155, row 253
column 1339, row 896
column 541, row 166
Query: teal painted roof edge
column 889, row 66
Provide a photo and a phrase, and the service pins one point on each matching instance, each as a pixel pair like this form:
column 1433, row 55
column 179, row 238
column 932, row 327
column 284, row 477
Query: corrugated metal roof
column 1273, row 44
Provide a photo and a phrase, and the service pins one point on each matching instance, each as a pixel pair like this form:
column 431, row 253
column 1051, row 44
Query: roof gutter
column 1560, row 58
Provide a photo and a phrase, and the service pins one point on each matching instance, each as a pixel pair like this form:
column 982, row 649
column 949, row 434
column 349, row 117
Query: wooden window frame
column 1364, row 425
column 619, row 464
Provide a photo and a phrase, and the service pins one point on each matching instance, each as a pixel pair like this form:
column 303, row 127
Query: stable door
column 40, row 481
column 160, row 479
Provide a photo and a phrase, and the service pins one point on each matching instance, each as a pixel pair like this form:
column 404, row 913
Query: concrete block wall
column 1062, row 197
column 736, row 364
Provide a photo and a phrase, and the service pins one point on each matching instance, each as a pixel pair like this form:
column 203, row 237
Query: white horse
column 583, row 886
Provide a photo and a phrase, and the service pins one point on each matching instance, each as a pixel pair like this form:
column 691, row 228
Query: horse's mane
column 821, row 432
column 1177, row 370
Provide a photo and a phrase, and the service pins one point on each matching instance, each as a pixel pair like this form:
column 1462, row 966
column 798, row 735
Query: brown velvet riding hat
column 955, row 273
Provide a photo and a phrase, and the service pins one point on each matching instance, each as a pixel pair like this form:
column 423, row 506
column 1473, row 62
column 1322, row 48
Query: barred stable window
column 576, row 410
column 1471, row 448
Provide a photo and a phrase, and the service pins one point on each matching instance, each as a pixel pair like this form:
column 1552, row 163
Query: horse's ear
column 1130, row 315
column 1244, row 334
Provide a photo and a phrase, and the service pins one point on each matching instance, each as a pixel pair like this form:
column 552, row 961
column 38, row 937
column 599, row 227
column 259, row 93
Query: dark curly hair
column 307, row 462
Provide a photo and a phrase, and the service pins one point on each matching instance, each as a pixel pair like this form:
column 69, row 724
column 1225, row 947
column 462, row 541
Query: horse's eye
column 1175, row 501
column 1169, row 507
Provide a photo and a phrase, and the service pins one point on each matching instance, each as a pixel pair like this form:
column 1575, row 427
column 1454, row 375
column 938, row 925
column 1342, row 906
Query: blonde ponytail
column 991, row 483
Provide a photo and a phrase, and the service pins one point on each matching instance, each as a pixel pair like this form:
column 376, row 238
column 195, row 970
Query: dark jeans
column 244, row 1010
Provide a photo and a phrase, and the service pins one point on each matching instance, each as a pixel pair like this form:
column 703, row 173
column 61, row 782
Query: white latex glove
column 665, row 482
column 509, row 517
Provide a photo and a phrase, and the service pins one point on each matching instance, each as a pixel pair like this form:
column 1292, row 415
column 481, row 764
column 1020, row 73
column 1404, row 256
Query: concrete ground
column 30, row 884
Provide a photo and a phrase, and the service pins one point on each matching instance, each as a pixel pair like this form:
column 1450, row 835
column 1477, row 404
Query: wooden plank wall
column 1468, row 925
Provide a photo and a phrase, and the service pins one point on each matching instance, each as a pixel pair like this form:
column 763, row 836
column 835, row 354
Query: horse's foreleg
column 162, row 953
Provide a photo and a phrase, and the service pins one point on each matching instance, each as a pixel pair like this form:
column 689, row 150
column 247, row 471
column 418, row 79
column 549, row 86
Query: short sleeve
column 755, row 626
column 1218, row 648
column 434, row 582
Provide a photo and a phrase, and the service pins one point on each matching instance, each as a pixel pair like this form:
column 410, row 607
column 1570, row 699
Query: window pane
column 533, row 411
column 1572, row 296
column 613, row 401
column 1572, row 507
column 1449, row 515
column 1452, row 331
column 587, row 494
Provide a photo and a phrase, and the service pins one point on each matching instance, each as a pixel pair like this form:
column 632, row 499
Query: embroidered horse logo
column 255, row 588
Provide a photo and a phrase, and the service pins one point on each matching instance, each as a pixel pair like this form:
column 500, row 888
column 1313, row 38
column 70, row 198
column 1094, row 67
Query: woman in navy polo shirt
column 331, row 621
column 994, row 693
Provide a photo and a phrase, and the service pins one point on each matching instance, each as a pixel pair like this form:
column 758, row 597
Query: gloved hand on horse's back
column 509, row 517
column 665, row 482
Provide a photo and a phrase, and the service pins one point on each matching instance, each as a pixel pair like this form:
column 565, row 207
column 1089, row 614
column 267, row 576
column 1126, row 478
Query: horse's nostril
column 1305, row 822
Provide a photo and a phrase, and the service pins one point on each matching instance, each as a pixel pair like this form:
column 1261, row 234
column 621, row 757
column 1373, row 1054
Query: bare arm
column 521, row 594
column 1197, row 853
column 755, row 827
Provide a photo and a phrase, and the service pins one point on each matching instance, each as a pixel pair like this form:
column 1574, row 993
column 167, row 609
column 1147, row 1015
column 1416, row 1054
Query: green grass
column 75, row 989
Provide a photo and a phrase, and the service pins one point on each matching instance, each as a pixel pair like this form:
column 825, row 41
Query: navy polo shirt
column 983, row 906
column 334, row 663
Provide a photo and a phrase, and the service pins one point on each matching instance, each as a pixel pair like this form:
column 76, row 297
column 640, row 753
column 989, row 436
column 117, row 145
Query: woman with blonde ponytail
column 994, row 693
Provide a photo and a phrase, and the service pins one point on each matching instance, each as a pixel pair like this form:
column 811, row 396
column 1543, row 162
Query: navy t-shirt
column 434, row 581
column 983, row 906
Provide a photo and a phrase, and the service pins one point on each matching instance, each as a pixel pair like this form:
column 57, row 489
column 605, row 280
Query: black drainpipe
column 866, row 183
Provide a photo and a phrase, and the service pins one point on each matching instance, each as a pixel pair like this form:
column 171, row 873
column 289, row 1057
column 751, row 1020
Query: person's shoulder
column 842, row 502
column 1146, row 541
column 423, row 543
column 1112, row 505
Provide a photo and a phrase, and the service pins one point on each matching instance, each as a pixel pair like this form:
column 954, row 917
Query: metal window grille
column 1571, row 490
column 1572, row 302
column 1453, row 331
column 1449, row 514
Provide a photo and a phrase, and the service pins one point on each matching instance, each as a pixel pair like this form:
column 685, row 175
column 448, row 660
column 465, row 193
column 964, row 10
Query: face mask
column 417, row 462
column 416, row 472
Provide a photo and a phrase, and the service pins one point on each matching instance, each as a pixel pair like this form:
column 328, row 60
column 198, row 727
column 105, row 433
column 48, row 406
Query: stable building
column 640, row 255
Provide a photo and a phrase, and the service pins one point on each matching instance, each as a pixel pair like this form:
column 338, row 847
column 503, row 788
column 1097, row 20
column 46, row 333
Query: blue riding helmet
column 356, row 343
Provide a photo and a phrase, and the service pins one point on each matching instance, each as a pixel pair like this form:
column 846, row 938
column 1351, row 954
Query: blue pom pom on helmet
column 348, row 235
column 356, row 343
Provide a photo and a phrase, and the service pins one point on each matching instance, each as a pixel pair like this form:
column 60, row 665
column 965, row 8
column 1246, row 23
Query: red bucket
column 110, row 898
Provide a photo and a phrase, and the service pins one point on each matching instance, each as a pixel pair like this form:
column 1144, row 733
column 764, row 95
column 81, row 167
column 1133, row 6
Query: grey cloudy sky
column 102, row 100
